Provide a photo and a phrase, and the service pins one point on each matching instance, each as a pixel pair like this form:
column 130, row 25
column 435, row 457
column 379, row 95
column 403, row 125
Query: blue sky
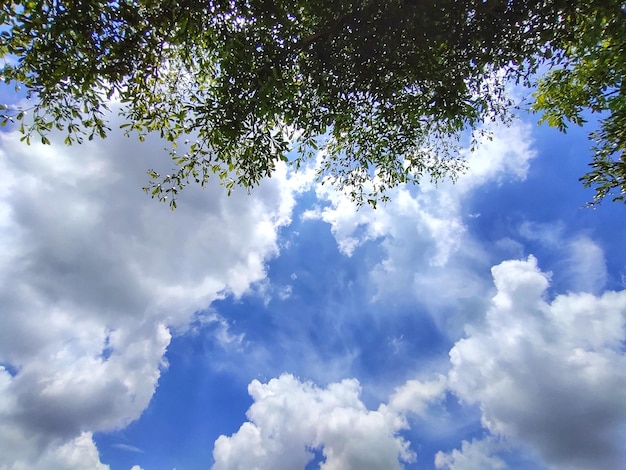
column 476, row 325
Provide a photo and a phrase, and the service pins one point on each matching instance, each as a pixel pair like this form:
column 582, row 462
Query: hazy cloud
column 424, row 234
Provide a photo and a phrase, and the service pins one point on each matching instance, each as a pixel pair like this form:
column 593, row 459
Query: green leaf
column 360, row 86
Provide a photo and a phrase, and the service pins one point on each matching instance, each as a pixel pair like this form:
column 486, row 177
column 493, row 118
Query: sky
column 475, row 325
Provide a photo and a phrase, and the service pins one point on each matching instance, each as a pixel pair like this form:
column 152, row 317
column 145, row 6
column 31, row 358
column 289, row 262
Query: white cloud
column 79, row 453
column 506, row 156
column 221, row 327
column 285, row 292
column 473, row 455
column 549, row 234
column 550, row 375
column 547, row 375
column 585, row 265
column 582, row 263
column 93, row 274
column 416, row 396
column 423, row 232
column 352, row 226
column 290, row 417
column 128, row 448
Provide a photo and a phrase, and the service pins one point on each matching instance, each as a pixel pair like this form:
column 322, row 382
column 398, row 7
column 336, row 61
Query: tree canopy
column 378, row 91
column 588, row 77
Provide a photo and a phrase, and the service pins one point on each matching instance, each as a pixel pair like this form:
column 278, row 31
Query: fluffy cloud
column 289, row 418
column 505, row 156
column 416, row 396
column 78, row 454
column 94, row 274
column 549, row 378
column 472, row 456
column 548, row 374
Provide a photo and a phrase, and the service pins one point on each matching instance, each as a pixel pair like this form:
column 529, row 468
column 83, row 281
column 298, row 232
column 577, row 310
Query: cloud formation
column 549, row 378
column 435, row 211
column 473, row 455
column 430, row 257
column 548, row 374
column 290, row 418
column 95, row 278
column 94, row 275
column 79, row 453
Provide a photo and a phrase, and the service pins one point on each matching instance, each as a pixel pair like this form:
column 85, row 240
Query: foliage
column 588, row 76
column 378, row 91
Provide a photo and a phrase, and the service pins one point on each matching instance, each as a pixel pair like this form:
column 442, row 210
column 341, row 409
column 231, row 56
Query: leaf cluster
column 588, row 78
column 379, row 92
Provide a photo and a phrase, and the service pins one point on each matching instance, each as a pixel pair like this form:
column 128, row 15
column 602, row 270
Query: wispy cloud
column 128, row 448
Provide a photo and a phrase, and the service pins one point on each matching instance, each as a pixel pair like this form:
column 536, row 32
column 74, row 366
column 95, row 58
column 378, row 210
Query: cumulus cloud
column 473, row 455
column 289, row 418
column 547, row 374
column 94, row 274
column 549, row 378
column 79, row 453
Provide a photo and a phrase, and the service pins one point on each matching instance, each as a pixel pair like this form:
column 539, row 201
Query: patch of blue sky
column 191, row 407
column 545, row 214
column 452, row 424
column 9, row 369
